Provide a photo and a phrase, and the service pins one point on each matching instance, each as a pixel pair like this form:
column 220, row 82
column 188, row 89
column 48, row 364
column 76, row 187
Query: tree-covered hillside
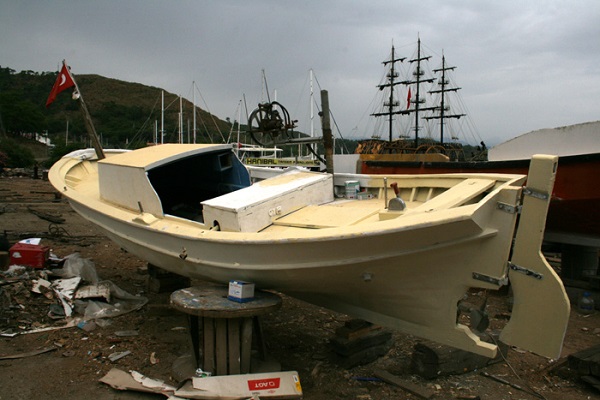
column 123, row 113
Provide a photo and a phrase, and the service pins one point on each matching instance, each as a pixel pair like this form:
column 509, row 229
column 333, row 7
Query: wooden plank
column 318, row 217
column 355, row 328
column 259, row 339
column 221, row 346
column 586, row 362
column 246, row 345
column 410, row 387
column 457, row 195
column 233, row 342
column 195, row 337
column 209, row 345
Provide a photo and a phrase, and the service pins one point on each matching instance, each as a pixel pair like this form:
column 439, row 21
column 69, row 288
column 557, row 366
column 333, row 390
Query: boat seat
column 456, row 196
column 328, row 216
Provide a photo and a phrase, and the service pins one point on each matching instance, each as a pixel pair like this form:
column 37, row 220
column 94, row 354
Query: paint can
column 352, row 189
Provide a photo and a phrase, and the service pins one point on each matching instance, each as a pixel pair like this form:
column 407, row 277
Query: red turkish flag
column 64, row 80
column 408, row 99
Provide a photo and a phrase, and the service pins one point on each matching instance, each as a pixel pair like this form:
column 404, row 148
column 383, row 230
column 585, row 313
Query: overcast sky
column 522, row 65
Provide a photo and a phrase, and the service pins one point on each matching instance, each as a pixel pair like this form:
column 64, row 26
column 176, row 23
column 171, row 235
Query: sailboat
column 415, row 146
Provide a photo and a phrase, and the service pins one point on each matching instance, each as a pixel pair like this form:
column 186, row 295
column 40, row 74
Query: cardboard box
column 271, row 385
column 241, row 291
column 30, row 255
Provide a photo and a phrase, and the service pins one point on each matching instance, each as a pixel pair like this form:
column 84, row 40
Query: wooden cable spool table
column 227, row 326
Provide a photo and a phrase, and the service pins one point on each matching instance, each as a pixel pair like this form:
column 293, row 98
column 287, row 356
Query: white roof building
column 564, row 141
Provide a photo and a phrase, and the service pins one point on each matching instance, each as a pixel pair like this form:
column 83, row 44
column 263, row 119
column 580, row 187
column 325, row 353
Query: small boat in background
column 397, row 250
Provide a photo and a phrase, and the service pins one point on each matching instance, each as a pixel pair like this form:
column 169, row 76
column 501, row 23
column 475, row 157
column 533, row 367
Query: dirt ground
column 298, row 335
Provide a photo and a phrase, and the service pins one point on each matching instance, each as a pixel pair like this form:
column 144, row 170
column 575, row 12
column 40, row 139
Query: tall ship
column 418, row 128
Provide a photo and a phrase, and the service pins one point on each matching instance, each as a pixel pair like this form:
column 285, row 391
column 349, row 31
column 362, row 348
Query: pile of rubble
column 58, row 293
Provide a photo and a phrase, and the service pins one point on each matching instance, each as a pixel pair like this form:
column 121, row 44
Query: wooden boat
column 191, row 209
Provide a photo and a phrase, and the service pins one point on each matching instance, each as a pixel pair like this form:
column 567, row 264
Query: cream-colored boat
column 191, row 209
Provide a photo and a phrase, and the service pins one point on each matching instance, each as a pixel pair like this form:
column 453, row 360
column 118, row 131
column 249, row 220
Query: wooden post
column 89, row 125
column 87, row 119
column 327, row 136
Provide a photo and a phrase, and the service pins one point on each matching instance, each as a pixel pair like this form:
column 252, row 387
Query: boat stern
column 541, row 307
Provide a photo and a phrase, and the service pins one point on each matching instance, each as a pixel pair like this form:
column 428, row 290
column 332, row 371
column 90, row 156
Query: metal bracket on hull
column 490, row 279
column 509, row 208
column 535, row 193
column 525, row 271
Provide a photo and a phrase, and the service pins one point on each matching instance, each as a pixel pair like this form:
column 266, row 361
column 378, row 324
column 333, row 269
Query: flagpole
column 87, row 119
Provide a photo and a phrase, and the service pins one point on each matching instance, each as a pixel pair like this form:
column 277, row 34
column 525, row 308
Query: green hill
column 123, row 113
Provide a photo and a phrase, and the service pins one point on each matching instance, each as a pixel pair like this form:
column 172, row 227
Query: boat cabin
column 171, row 179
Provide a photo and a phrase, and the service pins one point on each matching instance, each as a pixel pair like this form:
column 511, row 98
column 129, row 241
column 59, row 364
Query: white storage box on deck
column 253, row 208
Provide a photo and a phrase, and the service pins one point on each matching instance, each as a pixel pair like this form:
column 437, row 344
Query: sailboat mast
column 443, row 100
column 391, row 103
column 180, row 120
column 418, row 97
column 442, row 116
column 418, row 73
column 162, row 118
column 194, row 90
column 391, row 99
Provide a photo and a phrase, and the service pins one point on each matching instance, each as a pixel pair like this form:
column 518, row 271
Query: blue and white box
column 241, row 291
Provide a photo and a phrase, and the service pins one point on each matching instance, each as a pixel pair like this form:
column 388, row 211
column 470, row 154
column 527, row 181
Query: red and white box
column 29, row 255
column 270, row 385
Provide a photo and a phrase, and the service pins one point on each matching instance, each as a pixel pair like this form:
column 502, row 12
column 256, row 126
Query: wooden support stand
column 432, row 360
column 224, row 328
column 161, row 281
column 586, row 363
column 360, row 342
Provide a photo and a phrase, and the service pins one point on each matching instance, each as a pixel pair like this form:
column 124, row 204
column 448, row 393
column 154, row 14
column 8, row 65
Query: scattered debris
column 122, row 380
column 28, row 354
column 126, row 333
column 118, row 355
column 57, row 219
column 410, row 387
column 87, row 326
column 94, row 302
column 432, row 360
column 586, row 364
column 98, row 291
column 513, row 385
column 277, row 385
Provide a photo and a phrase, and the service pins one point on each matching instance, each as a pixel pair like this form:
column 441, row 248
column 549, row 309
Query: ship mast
column 443, row 82
column 418, row 74
column 391, row 104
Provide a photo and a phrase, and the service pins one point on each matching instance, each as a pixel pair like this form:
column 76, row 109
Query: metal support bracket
column 535, row 193
column 509, row 208
column 490, row 279
column 525, row 271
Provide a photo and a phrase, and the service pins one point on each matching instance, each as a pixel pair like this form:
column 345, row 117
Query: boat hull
column 410, row 270
column 405, row 269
